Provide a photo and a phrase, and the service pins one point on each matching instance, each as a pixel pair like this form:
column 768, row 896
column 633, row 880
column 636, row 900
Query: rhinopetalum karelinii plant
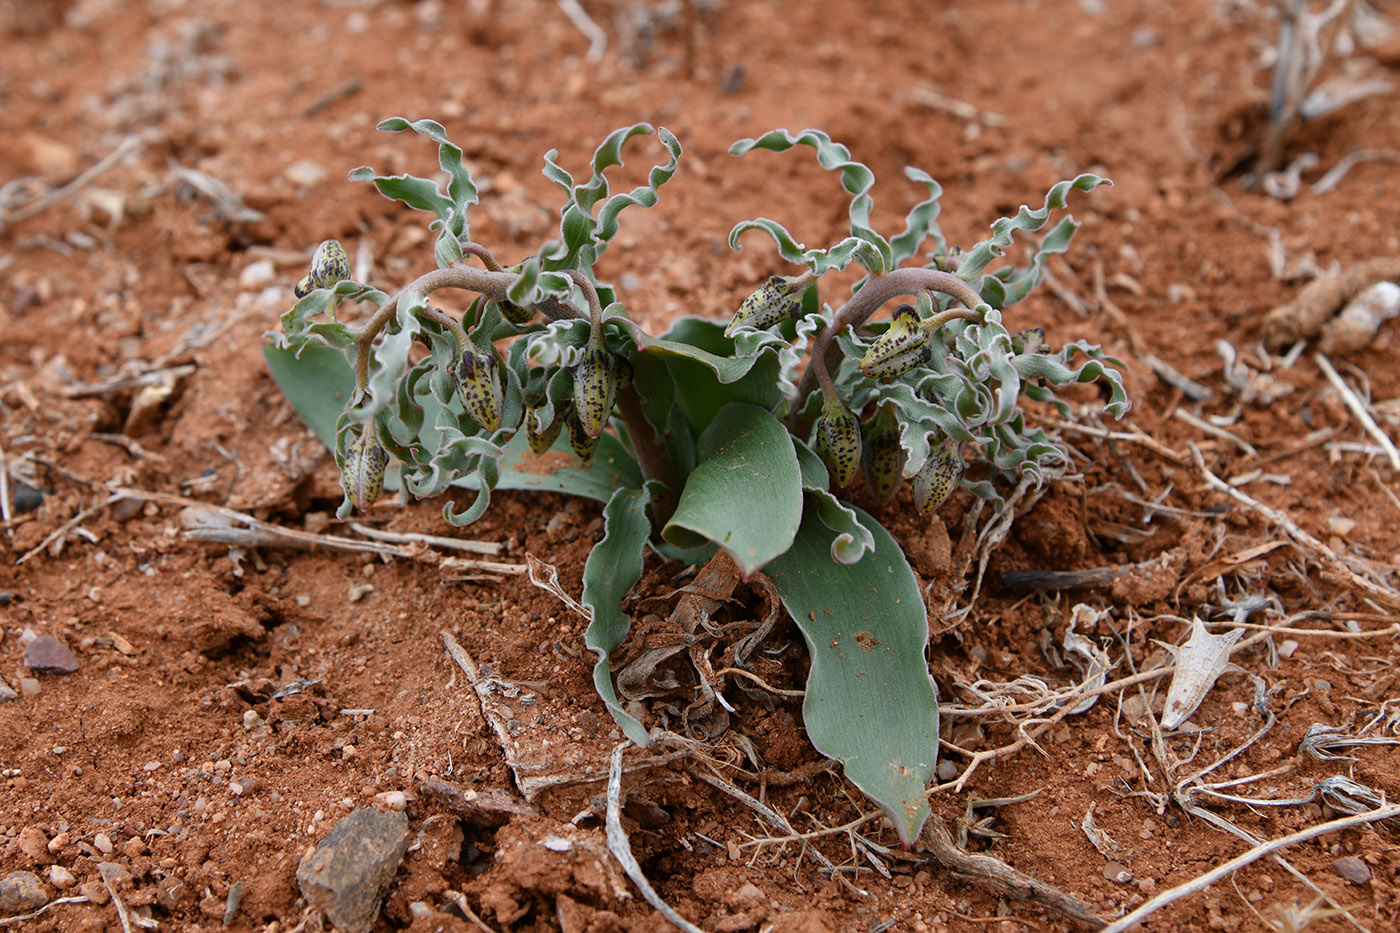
column 713, row 435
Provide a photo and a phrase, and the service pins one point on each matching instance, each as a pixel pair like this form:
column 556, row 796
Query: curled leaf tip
column 478, row 378
column 903, row 347
column 778, row 298
column 362, row 471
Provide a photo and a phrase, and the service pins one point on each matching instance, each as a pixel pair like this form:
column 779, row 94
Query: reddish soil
column 170, row 751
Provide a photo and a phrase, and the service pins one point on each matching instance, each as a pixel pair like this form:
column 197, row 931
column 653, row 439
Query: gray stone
column 21, row 892
column 48, row 655
column 1352, row 869
column 347, row 874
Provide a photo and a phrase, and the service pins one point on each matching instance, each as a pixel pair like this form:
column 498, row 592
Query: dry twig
column 1358, row 409
column 1253, row 855
column 1330, row 558
column 621, row 848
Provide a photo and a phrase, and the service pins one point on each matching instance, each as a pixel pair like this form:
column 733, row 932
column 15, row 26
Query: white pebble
column 256, row 274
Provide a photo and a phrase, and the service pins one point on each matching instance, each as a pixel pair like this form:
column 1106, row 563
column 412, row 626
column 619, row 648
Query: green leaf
column 317, row 384
column 870, row 702
column 613, row 568
column 922, row 221
column 856, row 177
column 746, row 493
column 1026, row 220
column 853, row 540
column 711, row 370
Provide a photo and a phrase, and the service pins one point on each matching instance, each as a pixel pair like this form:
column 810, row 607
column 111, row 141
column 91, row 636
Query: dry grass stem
column 1358, row 410
column 44, row 201
column 489, row 548
column 1200, row 424
column 1329, row 557
column 1204, row 881
column 621, row 847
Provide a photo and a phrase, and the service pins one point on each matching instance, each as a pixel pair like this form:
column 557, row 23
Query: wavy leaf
column 614, row 566
column 856, row 178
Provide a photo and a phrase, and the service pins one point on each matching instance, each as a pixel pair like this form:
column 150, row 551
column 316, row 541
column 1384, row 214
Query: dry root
column 1312, row 311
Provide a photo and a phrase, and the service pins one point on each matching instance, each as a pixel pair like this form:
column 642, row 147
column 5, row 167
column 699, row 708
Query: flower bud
column 516, row 314
column 478, row 377
column 775, row 299
column 901, row 348
column 582, row 442
column 882, row 455
column 838, row 442
column 598, row 376
column 541, row 439
column 329, row 265
column 939, row 477
column 1031, row 340
column 362, row 470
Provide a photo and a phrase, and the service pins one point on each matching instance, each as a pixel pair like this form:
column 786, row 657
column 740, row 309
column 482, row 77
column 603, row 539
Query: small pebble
column 94, row 891
column 391, row 800
column 34, row 844
column 242, row 786
column 251, row 719
column 61, row 877
column 59, row 842
column 1117, row 873
column 21, row 892
column 102, row 843
column 256, row 274
column 1287, row 647
column 47, row 655
column 1352, row 869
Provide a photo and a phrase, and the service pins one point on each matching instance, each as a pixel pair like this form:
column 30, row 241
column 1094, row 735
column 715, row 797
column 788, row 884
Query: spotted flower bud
column 478, row 377
column 329, row 265
column 541, row 438
column 1031, row 340
column 901, row 348
column 882, row 455
column 838, row 442
column 598, row 376
column 939, row 477
column 580, row 440
column 516, row 314
column 362, row 470
column 779, row 297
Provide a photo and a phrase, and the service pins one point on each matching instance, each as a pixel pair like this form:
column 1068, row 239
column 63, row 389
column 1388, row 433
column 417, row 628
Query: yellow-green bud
column 362, row 471
column 329, row 265
column 1031, row 340
column 779, row 297
column 516, row 314
column 582, row 442
column 901, row 348
column 478, row 377
column 882, row 455
column 541, row 438
column 838, row 443
column 598, row 376
column 939, row 477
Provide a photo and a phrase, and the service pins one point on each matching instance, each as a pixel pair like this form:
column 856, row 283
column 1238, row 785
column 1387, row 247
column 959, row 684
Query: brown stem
column 492, row 284
column 855, row 312
column 651, row 456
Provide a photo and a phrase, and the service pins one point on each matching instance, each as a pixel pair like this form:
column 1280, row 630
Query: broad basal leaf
column 870, row 702
column 746, row 493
